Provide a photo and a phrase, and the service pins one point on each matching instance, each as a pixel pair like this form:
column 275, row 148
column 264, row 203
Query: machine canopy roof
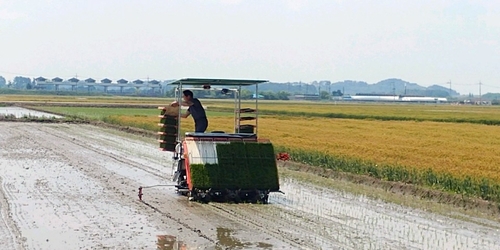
column 216, row 82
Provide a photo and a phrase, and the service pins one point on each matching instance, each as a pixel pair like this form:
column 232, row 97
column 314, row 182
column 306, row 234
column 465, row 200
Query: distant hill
column 347, row 87
column 388, row 86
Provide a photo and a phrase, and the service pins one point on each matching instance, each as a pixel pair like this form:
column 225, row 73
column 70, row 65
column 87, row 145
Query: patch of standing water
column 19, row 112
column 227, row 241
column 169, row 242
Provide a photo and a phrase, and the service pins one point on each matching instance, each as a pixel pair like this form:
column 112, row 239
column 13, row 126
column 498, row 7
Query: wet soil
column 463, row 202
column 74, row 186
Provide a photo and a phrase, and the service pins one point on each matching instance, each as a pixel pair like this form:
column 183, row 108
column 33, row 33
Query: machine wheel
column 265, row 199
column 237, row 198
column 206, row 199
column 190, row 196
column 203, row 196
column 233, row 196
column 254, row 197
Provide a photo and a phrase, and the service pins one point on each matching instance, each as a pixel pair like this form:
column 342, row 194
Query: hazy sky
column 425, row 41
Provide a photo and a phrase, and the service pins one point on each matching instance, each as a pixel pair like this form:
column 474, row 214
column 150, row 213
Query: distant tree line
column 245, row 94
column 278, row 91
column 19, row 82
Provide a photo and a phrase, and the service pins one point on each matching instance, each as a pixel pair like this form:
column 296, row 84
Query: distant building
column 57, row 79
column 122, row 81
column 138, row 81
column 89, row 80
column 105, row 80
column 40, row 79
column 392, row 98
column 154, row 82
column 308, row 97
column 73, row 80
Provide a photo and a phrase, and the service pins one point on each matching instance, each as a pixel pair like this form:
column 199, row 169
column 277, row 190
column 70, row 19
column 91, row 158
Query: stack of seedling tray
column 241, row 165
column 247, row 128
column 167, row 136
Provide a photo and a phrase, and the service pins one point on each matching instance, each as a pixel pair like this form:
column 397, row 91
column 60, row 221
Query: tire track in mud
column 323, row 232
column 137, row 165
column 148, row 170
column 124, row 160
column 12, row 237
column 9, row 210
column 57, row 148
column 41, row 193
column 180, row 222
column 296, row 228
column 254, row 221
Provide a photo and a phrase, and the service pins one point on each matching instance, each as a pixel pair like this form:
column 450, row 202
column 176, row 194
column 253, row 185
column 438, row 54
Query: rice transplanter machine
column 236, row 166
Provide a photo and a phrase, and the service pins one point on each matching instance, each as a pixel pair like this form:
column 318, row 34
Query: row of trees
column 19, row 82
column 245, row 94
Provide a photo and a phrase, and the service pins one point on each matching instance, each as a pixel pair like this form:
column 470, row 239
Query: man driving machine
column 195, row 109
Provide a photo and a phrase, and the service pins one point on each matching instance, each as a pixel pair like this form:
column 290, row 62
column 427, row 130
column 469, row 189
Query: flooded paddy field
column 20, row 112
column 66, row 186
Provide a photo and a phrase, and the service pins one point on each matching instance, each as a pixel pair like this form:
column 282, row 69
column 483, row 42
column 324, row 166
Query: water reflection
column 169, row 242
column 225, row 240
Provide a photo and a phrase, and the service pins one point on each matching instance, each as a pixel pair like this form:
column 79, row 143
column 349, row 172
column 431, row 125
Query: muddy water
column 19, row 112
column 76, row 185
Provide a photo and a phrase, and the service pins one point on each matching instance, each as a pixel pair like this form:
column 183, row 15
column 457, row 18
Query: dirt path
column 75, row 187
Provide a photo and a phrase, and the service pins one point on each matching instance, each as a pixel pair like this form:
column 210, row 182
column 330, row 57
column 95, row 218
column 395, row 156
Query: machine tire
column 265, row 199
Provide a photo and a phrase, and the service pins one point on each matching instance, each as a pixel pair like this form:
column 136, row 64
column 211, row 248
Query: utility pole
column 394, row 90
column 450, row 86
column 480, row 97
